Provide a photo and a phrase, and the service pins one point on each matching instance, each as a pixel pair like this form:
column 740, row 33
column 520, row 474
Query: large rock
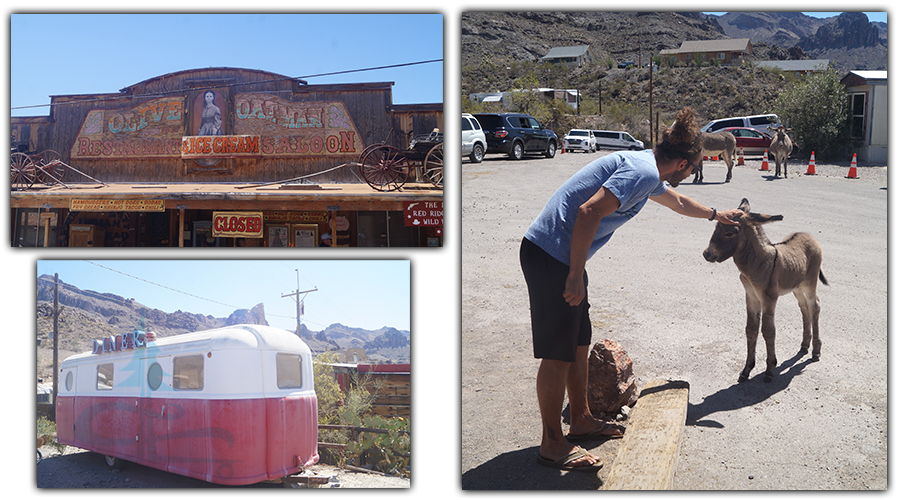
column 611, row 383
column 255, row 316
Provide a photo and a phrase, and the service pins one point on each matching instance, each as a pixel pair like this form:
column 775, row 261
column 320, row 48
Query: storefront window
column 32, row 228
column 385, row 229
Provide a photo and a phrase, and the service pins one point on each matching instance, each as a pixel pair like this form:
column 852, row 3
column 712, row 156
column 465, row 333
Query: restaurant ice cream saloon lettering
column 155, row 164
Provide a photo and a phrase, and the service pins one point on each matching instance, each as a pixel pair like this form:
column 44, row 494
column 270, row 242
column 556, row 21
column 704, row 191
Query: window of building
column 188, row 373
column 857, row 115
column 31, row 228
column 105, row 377
column 289, row 370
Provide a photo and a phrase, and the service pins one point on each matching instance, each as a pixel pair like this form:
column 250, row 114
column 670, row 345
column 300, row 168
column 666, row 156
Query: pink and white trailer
column 233, row 405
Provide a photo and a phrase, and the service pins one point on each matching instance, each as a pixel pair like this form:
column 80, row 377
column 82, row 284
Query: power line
column 163, row 286
column 181, row 91
column 179, row 291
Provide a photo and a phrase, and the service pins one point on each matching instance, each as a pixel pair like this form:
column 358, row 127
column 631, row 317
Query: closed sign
column 238, row 224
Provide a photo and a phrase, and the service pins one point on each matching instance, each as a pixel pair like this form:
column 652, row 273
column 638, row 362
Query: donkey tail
column 822, row 278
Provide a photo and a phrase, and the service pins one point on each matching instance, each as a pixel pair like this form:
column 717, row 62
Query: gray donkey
column 767, row 272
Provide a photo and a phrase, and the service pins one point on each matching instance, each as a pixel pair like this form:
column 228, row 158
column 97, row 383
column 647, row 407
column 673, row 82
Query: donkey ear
column 745, row 205
column 764, row 219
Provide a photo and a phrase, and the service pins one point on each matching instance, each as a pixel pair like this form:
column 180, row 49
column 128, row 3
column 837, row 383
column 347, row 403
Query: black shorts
column 557, row 328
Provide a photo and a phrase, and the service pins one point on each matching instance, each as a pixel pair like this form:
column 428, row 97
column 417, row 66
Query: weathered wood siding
column 29, row 134
column 368, row 105
column 410, row 120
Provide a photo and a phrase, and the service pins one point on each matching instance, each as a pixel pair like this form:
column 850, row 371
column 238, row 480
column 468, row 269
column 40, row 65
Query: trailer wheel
column 113, row 462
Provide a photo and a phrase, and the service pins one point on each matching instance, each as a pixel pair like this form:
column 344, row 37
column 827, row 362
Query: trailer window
column 154, row 376
column 105, row 377
column 188, row 373
column 289, row 373
column 70, row 381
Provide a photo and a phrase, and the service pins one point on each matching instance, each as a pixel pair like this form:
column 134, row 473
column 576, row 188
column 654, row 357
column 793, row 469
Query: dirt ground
column 77, row 468
column 818, row 426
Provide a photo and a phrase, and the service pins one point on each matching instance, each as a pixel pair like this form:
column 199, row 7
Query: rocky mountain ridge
column 87, row 315
column 507, row 37
column 500, row 48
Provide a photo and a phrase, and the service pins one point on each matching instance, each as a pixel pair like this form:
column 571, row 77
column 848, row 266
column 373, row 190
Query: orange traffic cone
column 741, row 156
column 563, row 150
column 852, row 174
column 811, row 170
column 765, row 164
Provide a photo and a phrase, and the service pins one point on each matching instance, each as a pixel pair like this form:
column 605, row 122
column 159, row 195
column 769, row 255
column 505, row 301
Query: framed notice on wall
column 305, row 235
column 277, row 235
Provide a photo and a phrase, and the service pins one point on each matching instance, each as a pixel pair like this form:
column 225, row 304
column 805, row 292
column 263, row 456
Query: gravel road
column 818, row 426
column 78, row 468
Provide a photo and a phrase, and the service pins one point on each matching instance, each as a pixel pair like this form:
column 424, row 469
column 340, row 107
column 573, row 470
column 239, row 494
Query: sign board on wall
column 307, row 128
column 150, row 129
column 237, row 224
column 117, row 205
column 424, row 214
column 264, row 125
column 219, row 146
column 286, row 216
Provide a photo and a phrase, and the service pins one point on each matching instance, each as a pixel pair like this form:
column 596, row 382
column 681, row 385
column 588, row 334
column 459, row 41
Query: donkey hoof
column 803, row 351
column 742, row 378
column 816, row 355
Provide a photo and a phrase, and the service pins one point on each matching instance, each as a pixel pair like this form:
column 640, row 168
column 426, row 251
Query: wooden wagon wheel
column 384, row 167
column 22, row 171
column 50, row 168
column 434, row 165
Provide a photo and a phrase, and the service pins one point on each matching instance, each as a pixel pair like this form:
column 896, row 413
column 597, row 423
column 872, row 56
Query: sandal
column 598, row 434
column 565, row 462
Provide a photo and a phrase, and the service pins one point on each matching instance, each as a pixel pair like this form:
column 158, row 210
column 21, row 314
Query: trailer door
column 153, row 444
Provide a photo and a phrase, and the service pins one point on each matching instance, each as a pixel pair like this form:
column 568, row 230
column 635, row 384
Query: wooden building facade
column 157, row 163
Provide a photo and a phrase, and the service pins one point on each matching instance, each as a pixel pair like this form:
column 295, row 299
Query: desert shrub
column 817, row 111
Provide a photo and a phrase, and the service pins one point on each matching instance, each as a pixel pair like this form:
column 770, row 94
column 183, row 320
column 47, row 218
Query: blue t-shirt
column 631, row 176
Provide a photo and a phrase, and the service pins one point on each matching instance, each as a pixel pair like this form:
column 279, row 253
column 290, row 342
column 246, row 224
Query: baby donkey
column 767, row 272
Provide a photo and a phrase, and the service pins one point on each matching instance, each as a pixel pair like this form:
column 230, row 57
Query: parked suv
column 516, row 134
column 578, row 139
column 610, row 139
column 473, row 142
column 758, row 122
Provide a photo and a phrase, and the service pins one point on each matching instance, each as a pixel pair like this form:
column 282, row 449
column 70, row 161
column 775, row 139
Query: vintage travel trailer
column 233, row 405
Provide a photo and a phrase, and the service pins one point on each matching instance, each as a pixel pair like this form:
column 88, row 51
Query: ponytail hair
column 683, row 140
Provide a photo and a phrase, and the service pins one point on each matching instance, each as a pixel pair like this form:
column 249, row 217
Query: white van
column 609, row 139
column 758, row 122
column 474, row 143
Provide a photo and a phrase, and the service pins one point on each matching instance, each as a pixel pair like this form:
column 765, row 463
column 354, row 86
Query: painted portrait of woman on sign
column 211, row 116
column 208, row 120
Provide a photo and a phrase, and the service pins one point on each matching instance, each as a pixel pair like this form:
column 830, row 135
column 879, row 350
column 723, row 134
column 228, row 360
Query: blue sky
column 873, row 16
column 366, row 294
column 59, row 54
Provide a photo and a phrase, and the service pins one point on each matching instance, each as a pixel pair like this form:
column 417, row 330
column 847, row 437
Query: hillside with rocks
column 500, row 47
column 86, row 315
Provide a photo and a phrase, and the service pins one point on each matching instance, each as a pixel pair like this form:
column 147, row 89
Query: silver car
column 473, row 141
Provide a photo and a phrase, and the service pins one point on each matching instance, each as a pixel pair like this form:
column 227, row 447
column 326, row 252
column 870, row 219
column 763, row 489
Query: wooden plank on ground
column 648, row 452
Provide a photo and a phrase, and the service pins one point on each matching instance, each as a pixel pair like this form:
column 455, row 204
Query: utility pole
column 651, row 103
column 296, row 296
column 55, row 342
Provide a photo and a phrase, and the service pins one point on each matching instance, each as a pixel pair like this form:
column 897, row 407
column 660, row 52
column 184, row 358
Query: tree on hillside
column 816, row 109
